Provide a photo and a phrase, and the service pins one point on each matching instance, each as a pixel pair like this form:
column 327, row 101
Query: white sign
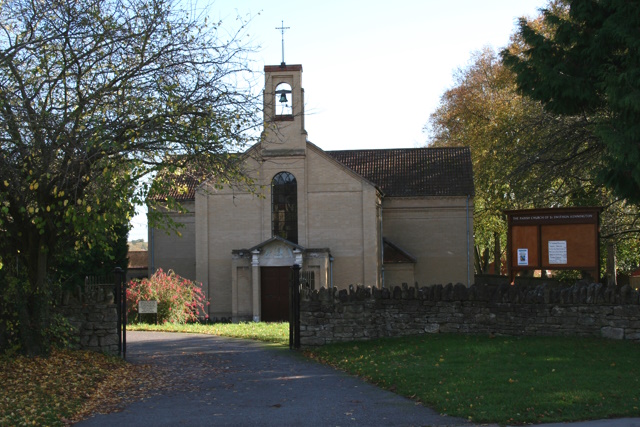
column 557, row 251
column 145, row 307
column 523, row 256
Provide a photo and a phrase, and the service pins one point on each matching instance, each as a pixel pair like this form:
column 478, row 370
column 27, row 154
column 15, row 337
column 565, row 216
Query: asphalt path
column 230, row 382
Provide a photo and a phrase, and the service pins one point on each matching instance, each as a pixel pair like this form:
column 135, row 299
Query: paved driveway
column 228, row 382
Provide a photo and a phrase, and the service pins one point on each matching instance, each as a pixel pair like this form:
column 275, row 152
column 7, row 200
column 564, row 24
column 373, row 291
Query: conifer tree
column 584, row 60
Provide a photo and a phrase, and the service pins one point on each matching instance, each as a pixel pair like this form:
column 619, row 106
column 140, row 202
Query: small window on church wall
column 284, row 207
column 284, row 100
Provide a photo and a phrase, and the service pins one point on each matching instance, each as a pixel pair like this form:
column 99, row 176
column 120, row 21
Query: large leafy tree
column 514, row 146
column 583, row 59
column 524, row 156
column 94, row 96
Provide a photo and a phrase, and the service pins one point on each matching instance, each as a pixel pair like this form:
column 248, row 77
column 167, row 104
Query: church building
column 377, row 218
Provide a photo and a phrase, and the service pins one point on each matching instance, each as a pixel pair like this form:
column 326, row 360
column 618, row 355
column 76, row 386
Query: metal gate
column 121, row 307
column 294, row 308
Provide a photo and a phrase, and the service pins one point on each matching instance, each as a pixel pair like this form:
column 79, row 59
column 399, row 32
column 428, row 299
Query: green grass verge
column 502, row 380
column 277, row 333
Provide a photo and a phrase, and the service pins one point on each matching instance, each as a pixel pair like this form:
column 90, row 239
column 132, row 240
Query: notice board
column 553, row 239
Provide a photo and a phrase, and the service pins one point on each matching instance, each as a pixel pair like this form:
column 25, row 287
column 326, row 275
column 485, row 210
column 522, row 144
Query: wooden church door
column 274, row 299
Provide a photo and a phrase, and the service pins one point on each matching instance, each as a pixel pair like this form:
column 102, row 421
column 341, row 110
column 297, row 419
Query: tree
column 582, row 60
column 94, row 96
column 73, row 266
column 524, row 156
column 514, row 146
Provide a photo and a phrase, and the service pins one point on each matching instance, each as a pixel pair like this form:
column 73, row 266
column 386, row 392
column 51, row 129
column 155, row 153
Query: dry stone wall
column 94, row 318
column 589, row 310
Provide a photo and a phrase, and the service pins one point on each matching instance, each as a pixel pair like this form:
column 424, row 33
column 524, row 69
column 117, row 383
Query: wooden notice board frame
column 553, row 239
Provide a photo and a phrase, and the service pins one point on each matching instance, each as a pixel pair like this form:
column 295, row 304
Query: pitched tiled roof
column 393, row 254
column 183, row 188
column 138, row 259
column 407, row 172
column 181, row 181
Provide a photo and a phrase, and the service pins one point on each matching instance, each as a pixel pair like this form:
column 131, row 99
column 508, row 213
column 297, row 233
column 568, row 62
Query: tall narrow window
column 284, row 206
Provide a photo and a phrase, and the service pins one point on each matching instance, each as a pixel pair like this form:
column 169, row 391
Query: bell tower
column 284, row 132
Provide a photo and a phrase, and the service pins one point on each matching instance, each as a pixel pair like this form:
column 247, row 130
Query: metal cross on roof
column 282, row 28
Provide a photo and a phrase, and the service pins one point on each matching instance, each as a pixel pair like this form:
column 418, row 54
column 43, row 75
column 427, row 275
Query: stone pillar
column 255, row 284
column 298, row 254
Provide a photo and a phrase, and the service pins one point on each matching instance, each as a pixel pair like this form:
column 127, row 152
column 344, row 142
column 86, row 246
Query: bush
column 179, row 300
column 61, row 333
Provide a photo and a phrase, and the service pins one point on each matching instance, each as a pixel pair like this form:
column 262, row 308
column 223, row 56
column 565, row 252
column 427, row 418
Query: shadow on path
column 228, row 382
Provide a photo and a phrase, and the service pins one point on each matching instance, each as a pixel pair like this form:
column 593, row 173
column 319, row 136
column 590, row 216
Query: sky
column 373, row 71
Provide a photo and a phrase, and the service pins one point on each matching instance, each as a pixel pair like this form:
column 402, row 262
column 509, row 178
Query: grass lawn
column 277, row 333
column 504, row 379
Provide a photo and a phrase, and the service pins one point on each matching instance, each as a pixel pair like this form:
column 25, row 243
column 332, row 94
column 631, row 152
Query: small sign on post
column 148, row 307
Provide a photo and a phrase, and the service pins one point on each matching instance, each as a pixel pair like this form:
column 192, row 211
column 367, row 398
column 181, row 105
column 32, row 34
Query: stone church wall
column 342, row 216
column 395, row 274
column 229, row 221
column 437, row 232
column 587, row 310
column 170, row 251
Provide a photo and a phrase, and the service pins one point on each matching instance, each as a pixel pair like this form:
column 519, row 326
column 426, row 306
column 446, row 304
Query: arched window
column 284, row 100
column 284, row 206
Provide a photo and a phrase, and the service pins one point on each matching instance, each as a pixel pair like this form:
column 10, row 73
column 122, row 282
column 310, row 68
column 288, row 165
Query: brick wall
column 589, row 310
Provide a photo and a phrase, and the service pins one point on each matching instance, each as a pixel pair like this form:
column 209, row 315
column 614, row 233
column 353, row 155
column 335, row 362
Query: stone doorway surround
column 246, row 296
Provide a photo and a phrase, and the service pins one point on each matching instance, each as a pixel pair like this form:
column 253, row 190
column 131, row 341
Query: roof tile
column 393, row 254
column 138, row 259
column 409, row 172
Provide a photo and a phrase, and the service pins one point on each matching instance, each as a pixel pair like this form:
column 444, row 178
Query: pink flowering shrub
column 179, row 300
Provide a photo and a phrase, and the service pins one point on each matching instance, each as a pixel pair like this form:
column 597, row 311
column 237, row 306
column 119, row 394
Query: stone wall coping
column 579, row 293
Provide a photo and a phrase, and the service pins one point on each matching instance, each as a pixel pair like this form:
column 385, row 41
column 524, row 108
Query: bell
column 283, row 97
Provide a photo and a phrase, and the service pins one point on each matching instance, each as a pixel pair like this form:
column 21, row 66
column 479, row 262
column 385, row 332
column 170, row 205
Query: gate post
column 294, row 308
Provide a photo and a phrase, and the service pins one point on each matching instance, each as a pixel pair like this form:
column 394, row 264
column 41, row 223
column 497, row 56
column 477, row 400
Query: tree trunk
column 497, row 252
column 485, row 261
column 476, row 259
column 33, row 304
column 29, row 339
column 611, row 264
